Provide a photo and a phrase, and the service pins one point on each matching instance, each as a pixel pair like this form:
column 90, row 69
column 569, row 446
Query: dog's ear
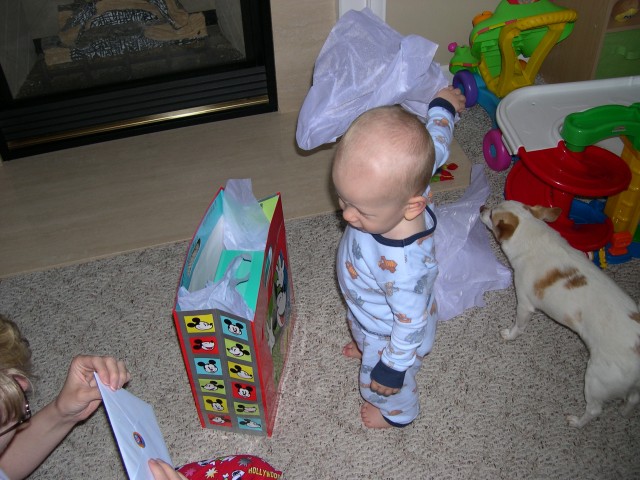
column 547, row 214
column 504, row 225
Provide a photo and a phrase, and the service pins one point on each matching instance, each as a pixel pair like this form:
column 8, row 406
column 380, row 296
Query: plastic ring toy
column 464, row 80
column 494, row 151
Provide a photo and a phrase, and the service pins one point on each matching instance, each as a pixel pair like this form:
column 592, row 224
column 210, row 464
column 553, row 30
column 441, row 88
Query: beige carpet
column 490, row 409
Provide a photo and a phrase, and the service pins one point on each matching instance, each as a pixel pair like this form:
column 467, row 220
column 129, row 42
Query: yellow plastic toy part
column 624, row 208
column 602, row 257
column 481, row 17
column 513, row 74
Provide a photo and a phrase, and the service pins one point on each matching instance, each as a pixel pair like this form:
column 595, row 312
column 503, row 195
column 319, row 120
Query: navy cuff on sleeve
column 387, row 376
column 441, row 102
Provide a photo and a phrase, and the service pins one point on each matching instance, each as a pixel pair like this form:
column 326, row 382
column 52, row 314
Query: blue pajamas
column 403, row 407
column 388, row 287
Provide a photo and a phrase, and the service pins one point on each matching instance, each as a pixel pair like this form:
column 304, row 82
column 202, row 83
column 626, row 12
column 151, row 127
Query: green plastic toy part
column 589, row 127
column 484, row 38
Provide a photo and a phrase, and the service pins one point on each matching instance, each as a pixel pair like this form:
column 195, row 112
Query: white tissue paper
column 467, row 266
column 221, row 294
column 363, row 64
column 245, row 225
column 245, row 228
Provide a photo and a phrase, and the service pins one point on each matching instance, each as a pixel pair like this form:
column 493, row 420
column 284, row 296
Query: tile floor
column 89, row 202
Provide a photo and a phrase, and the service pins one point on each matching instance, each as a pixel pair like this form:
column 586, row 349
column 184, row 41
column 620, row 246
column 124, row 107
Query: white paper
column 136, row 430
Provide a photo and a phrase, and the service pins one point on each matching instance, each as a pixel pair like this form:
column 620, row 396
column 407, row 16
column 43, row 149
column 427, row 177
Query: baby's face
column 366, row 204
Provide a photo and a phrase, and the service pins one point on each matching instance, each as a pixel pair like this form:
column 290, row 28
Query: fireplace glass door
column 74, row 72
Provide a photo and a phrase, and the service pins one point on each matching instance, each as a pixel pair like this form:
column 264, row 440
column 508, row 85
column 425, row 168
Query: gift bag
column 235, row 359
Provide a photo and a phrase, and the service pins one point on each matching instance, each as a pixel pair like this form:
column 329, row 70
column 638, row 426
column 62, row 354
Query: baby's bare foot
column 372, row 417
column 351, row 350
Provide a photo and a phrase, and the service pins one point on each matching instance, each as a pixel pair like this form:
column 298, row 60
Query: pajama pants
column 403, row 407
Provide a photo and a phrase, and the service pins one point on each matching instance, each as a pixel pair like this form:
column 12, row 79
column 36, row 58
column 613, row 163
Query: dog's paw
column 509, row 333
column 574, row 421
column 630, row 404
column 580, row 422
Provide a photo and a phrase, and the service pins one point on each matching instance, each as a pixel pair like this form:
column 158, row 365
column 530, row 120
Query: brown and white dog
column 552, row 276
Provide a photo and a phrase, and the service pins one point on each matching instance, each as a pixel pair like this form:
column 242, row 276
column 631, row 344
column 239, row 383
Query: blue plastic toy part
column 593, row 212
column 587, row 212
column 487, row 99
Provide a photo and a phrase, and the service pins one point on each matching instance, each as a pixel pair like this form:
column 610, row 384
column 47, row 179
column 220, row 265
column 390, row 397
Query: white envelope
column 136, row 430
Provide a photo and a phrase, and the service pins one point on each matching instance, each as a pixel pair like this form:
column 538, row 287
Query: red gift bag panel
column 235, row 364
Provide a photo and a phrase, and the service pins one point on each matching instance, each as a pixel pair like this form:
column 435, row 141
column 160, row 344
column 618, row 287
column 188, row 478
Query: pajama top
column 388, row 286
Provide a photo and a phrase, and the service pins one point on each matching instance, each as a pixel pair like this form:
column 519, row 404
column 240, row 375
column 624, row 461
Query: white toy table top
column 532, row 117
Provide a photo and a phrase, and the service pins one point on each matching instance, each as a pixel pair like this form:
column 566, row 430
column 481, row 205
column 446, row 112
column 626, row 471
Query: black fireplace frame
column 44, row 124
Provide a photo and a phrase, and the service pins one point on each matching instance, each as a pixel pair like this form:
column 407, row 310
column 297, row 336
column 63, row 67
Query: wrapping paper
column 363, row 64
column 466, row 263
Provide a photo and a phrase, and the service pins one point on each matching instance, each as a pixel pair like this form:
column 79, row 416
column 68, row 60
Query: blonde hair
column 15, row 360
column 405, row 138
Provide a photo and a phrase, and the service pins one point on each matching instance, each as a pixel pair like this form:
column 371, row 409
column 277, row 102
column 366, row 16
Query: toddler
column 386, row 262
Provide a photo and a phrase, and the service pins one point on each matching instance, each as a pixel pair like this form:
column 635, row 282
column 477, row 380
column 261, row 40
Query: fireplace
column 79, row 72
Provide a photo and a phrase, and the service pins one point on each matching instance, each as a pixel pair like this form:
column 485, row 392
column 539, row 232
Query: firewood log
column 195, row 28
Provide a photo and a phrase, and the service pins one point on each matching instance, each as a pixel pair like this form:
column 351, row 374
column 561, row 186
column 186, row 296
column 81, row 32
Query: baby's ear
column 415, row 206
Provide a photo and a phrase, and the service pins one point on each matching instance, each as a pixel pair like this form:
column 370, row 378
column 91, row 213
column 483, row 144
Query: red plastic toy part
column 594, row 172
column 554, row 176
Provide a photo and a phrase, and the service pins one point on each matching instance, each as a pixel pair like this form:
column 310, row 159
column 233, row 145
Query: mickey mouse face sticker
column 237, row 350
column 207, row 367
column 204, row 344
column 241, row 372
column 199, row 323
column 234, row 328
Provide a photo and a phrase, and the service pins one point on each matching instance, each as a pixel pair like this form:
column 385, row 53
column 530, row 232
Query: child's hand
column 163, row 471
column 454, row 96
column 382, row 390
column 80, row 395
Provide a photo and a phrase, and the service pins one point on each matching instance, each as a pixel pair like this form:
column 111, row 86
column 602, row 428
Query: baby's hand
column 454, row 96
column 382, row 390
